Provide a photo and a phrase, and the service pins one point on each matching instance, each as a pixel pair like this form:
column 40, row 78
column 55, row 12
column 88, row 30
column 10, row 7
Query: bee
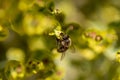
column 62, row 39
column 63, row 43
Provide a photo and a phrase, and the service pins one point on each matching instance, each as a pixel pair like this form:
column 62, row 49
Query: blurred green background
column 28, row 52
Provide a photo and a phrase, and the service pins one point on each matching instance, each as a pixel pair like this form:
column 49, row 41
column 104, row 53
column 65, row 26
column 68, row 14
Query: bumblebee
column 62, row 39
column 63, row 43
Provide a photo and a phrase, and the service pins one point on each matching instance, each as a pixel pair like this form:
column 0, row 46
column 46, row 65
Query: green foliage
column 31, row 29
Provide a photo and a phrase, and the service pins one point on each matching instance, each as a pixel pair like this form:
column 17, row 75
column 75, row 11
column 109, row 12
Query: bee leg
column 62, row 56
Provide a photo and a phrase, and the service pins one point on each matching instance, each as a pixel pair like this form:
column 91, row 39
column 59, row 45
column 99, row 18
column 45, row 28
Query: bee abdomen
column 62, row 49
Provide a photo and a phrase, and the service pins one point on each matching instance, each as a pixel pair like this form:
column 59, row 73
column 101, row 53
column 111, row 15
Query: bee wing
column 72, row 48
column 62, row 56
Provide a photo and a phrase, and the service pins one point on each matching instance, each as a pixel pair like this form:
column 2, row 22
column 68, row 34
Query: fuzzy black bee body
column 63, row 44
